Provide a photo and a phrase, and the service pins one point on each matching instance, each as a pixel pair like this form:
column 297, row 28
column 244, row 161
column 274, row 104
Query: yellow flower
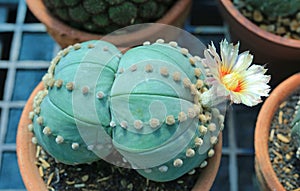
column 232, row 76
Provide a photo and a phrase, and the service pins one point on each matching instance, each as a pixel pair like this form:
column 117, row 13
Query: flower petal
column 229, row 54
column 243, row 61
column 234, row 77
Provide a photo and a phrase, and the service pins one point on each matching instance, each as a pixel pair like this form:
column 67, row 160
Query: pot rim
column 32, row 180
column 249, row 25
column 264, row 119
column 41, row 12
column 26, row 149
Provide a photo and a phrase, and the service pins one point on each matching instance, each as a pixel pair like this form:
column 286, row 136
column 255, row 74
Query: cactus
column 59, row 109
column 147, row 108
column 296, row 129
column 275, row 8
column 161, row 115
column 104, row 16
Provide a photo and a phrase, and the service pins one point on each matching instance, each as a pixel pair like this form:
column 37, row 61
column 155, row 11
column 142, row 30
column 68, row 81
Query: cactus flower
column 233, row 77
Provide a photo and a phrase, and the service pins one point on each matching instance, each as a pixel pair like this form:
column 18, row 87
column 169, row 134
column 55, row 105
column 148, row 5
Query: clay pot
column 26, row 152
column 263, row 167
column 65, row 35
column 281, row 54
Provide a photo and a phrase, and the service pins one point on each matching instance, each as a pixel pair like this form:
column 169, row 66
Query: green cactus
column 296, row 129
column 147, row 108
column 54, row 3
column 160, row 115
column 59, row 109
column 103, row 13
column 123, row 14
column 71, row 2
column 275, row 8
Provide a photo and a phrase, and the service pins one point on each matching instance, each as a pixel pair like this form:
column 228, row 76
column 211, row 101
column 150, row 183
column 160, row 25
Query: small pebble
column 257, row 16
column 85, row 178
column 283, row 138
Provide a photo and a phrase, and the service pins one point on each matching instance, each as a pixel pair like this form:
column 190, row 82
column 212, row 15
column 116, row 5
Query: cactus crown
column 275, row 8
column 296, row 129
column 145, row 104
column 104, row 16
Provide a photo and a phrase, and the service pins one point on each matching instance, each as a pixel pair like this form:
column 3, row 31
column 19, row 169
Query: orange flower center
column 232, row 81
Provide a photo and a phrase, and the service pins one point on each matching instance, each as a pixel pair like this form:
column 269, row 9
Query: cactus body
column 97, row 15
column 275, row 8
column 157, row 112
column 144, row 103
column 76, row 76
column 296, row 130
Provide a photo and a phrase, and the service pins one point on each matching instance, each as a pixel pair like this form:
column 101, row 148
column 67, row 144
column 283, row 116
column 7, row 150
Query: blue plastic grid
column 25, row 52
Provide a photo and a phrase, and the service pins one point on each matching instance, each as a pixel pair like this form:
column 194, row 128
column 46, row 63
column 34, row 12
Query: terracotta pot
column 65, row 35
column 26, row 152
column 263, row 166
column 281, row 54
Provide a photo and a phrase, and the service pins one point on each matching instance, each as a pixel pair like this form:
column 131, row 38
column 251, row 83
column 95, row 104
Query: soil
column 288, row 26
column 103, row 176
column 281, row 149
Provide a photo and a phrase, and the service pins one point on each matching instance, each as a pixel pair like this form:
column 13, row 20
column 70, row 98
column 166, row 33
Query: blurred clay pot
column 66, row 35
column 265, row 173
column 282, row 55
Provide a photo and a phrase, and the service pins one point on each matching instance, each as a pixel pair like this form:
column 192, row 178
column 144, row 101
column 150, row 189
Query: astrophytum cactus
column 60, row 110
column 160, row 126
column 150, row 105
column 145, row 104
column 296, row 129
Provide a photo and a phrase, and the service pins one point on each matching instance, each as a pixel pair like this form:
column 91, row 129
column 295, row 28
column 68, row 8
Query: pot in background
column 279, row 53
column 66, row 35
column 265, row 173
